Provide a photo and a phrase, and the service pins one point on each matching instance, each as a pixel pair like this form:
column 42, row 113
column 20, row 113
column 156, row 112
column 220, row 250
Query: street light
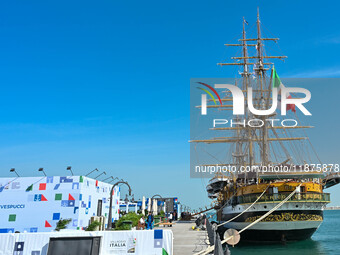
column 157, row 195
column 116, row 178
column 42, row 170
column 107, row 178
column 92, row 171
column 121, row 180
column 13, row 170
column 100, row 174
column 109, row 223
column 126, row 199
column 69, row 169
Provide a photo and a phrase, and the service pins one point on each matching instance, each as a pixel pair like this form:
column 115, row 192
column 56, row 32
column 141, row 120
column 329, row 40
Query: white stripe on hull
column 284, row 225
column 298, row 206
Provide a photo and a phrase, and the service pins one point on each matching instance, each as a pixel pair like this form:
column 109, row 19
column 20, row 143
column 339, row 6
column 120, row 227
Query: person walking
column 170, row 219
column 175, row 215
column 149, row 221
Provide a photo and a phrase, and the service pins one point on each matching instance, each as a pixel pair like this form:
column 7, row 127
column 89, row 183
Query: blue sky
column 106, row 84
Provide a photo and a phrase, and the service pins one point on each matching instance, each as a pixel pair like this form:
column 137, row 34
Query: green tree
column 93, row 226
column 131, row 216
column 62, row 224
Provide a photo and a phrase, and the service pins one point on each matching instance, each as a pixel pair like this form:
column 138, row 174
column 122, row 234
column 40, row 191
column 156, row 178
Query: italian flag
column 278, row 84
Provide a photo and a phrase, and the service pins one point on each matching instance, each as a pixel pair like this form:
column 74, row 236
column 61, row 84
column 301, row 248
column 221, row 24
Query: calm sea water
column 326, row 240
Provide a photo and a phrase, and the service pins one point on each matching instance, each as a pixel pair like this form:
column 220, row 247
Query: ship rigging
column 257, row 144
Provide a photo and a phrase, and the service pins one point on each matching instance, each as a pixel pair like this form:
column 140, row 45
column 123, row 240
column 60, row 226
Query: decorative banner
column 36, row 204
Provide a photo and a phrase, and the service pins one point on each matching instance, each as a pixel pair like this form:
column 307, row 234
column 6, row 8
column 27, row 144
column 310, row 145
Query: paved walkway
column 186, row 240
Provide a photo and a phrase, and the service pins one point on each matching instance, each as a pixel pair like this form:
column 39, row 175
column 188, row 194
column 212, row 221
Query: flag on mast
column 278, row 84
column 276, row 79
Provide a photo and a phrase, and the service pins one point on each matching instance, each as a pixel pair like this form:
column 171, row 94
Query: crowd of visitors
column 148, row 222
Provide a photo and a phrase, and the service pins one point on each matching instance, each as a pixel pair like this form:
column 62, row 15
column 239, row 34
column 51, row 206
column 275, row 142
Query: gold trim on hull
column 287, row 217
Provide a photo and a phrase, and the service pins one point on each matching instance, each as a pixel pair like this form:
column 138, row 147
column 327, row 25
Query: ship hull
column 290, row 223
column 276, row 236
column 271, row 232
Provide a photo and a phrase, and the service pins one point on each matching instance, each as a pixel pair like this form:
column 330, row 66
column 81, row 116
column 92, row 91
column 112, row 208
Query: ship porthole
column 265, row 207
column 297, row 206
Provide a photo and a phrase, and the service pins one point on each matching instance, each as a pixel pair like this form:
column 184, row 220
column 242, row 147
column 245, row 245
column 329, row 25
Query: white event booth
column 139, row 242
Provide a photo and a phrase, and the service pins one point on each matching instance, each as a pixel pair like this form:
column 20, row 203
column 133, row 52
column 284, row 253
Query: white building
column 36, row 204
column 128, row 206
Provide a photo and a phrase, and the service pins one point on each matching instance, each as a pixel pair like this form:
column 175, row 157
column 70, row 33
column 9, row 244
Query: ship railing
column 277, row 197
column 332, row 175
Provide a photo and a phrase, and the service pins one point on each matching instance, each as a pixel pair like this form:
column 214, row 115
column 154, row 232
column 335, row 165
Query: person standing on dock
column 170, row 219
column 149, row 221
column 175, row 215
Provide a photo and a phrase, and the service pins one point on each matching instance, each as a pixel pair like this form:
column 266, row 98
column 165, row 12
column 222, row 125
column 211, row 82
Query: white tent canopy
column 154, row 207
column 149, row 205
column 143, row 205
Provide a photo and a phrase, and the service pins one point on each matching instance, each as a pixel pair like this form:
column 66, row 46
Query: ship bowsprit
column 331, row 180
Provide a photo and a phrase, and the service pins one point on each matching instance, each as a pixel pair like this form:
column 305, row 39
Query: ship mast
column 246, row 139
column 246, row 76
column 239, row 145
column 263, row 91
column 261, row 79
column 262, row 95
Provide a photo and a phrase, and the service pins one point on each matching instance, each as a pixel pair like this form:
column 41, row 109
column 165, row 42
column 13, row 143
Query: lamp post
column 134, row 202
column 42, row 170
column 13, row 170
column 69, row 169
column 116, row 178
column 109, row 223
column 107, row 178
column 92, row 172
column 100, row 174
column 157, row 195
column 126, row 200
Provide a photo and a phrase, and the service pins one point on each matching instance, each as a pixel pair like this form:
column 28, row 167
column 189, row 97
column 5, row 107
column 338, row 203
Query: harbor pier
column 186, row 240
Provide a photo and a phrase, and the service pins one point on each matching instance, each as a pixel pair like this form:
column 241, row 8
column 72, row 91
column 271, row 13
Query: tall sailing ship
column 250, row 195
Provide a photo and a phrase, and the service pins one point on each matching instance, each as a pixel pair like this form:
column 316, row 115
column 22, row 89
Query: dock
column 186, row 240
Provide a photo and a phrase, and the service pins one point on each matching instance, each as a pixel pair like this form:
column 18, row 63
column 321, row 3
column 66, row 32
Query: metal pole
column 109, row 222
column 13, row 170
column 100, row 175
column 70, row 169
column 92, row 172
